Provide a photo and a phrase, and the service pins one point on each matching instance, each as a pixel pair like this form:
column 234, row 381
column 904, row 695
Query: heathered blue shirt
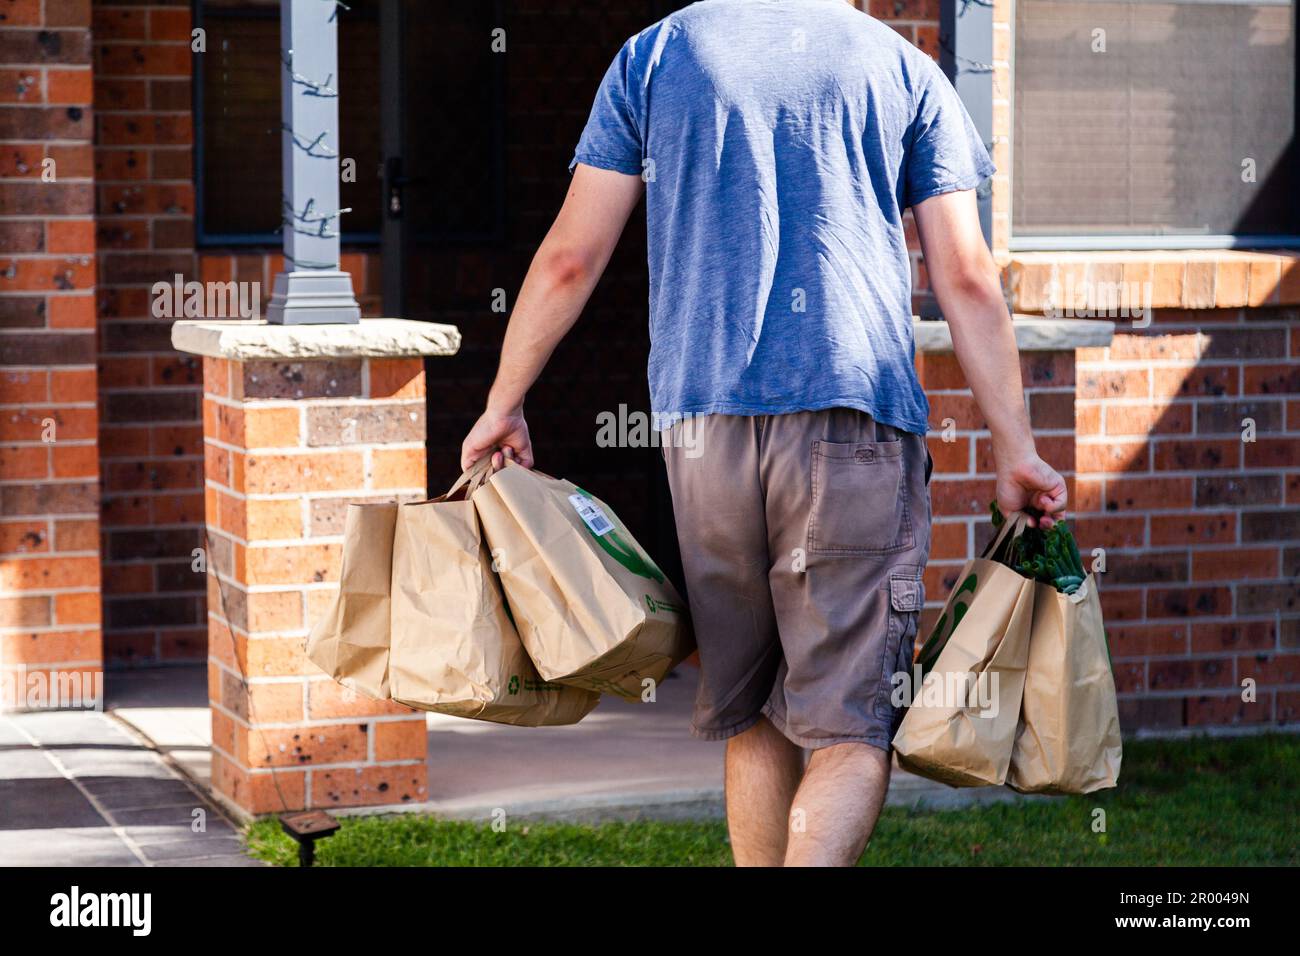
column 780, row 141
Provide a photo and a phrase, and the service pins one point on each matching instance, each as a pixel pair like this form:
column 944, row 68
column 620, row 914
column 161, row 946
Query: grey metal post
column 313, row 290
column 966, row 55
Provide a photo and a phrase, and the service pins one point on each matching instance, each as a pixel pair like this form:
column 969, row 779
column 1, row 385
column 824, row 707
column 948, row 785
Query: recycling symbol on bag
column 513, row 686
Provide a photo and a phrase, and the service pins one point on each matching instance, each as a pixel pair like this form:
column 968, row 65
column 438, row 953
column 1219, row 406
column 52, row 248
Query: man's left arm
column 565, row 270
column 966, row 283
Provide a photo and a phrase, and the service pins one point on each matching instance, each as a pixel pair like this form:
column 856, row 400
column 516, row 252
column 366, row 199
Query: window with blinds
column 239, row 120
column 1174, row 119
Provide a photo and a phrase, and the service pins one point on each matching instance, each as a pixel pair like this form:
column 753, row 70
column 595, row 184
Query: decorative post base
column 313, row 298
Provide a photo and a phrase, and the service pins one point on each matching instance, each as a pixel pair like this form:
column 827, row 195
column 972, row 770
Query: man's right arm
column 965, row 281
column 562, row 276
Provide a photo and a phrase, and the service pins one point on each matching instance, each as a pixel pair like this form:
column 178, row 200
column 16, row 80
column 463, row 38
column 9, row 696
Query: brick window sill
column 1033, row 334
column 1178, row 279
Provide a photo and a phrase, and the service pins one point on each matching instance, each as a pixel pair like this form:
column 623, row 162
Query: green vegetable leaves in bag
column 1050, row 556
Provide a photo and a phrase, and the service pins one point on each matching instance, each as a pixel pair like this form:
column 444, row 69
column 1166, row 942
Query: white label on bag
column 591, row 514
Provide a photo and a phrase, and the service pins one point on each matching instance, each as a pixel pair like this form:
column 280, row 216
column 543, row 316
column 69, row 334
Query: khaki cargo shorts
column 803, row 537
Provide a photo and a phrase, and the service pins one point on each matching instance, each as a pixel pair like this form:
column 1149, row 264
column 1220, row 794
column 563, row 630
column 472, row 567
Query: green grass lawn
column 1203, row 802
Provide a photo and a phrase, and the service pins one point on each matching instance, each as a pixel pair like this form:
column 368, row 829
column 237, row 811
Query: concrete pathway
column 78, row 789
column 623, row 761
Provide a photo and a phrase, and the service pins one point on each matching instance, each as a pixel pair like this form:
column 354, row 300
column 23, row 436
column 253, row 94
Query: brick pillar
column 50, row 647
column 288, row 443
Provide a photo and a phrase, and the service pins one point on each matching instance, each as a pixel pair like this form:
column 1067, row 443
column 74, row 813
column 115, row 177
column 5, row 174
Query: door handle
column 395, row 181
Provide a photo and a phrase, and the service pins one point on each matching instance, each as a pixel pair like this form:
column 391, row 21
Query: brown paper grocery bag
column 983, row 635
column 454, row 647
column 591, row 607
column 1069, row 737
column 350, row 643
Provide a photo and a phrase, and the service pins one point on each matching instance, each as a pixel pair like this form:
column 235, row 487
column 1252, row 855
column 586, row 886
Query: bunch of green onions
column 1050, row 556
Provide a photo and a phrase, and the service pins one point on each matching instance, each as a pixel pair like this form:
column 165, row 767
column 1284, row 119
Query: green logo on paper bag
column 607, row 535
column 944, row 628
column 513, row 686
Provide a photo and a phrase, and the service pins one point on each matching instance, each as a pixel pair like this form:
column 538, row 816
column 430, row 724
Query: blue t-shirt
column 780, row 141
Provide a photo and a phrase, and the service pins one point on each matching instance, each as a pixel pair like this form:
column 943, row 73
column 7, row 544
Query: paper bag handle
column 1015, row 523
column 472, row 478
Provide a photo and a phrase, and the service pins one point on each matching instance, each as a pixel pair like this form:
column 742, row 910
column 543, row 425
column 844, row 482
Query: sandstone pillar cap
column 243, row 340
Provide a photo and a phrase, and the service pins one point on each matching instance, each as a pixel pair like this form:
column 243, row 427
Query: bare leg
column 763, row 771
column 836, row 806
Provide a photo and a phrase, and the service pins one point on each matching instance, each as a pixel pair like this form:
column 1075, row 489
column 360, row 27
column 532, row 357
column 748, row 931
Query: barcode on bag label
column 591, row 514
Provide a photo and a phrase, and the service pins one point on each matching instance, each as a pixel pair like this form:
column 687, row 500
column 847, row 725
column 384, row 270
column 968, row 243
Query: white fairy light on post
column 312, row 289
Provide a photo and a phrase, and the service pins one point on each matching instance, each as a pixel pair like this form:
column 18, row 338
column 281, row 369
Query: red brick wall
column 49, row 540
column 150, row 396
column 1201, row 528
column 917, row 20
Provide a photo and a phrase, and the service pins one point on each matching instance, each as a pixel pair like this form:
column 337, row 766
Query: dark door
column 476, row 148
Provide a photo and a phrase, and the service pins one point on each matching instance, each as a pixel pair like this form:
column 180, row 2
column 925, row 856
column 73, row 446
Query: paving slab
column 74, row 728
column 141, row 792
column 76, row 787
column 146, row 834
column 174, row 815
column 195, row 849
column 22, row 762
column 35, row 803
column 65, row 846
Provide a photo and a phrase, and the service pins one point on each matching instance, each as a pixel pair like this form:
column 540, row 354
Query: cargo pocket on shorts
column 859, row 499
column 906, row 598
